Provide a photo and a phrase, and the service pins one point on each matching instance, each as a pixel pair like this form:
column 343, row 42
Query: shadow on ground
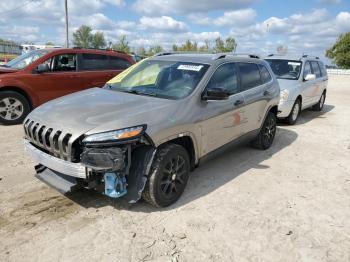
column 209, row 176
column 308, row 115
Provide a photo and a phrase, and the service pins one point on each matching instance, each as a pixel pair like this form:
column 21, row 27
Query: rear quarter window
column 250, row 75
column 118, row 63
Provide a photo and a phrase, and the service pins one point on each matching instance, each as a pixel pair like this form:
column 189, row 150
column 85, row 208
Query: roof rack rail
column 224, row 55
column 181, row 52
column 310, row 56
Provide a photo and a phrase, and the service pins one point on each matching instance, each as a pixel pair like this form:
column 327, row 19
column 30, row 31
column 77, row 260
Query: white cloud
column 151, row 7
column 166, row 23
column 229, row 18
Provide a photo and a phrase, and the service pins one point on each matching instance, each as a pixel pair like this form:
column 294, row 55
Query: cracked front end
column 115, row 163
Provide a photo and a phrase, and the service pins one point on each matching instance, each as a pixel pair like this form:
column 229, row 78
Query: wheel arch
column 20, row 91
column 187, row 142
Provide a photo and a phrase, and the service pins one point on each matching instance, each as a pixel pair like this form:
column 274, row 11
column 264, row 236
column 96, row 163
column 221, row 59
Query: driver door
column 221, row 120
column 60, row 80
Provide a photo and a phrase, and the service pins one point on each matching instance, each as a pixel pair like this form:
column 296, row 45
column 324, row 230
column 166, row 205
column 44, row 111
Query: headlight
column 284, row 95
column 113, row 136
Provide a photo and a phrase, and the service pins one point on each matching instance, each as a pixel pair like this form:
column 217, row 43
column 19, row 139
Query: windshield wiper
column 138, row 92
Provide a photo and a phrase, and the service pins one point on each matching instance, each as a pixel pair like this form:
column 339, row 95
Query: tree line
column 85, row 38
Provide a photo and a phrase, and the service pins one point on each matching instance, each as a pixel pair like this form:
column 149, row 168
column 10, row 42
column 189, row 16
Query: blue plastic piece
column 115, row 185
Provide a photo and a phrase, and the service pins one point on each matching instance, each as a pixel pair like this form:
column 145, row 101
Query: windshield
column 285, row 69
column 24, row 60
column 164, row 79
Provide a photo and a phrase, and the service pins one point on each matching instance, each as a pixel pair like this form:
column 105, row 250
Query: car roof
column 85, row 50
column 205, row 58
column 292, row 57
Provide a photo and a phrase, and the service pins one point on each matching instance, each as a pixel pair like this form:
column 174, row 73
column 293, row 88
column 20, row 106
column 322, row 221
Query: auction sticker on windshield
column 196, row 68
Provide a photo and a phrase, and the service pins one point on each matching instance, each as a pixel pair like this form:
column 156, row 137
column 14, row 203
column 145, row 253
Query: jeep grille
column 55, row 142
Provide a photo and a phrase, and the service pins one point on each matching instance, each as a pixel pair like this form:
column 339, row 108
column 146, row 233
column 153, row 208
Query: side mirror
column 310, row 77
column 42, row 68
column 215, row 94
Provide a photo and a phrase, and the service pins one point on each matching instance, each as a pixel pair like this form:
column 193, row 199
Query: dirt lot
column 290, row 203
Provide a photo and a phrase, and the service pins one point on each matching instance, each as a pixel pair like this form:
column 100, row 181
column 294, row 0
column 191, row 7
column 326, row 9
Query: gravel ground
column 289, row 203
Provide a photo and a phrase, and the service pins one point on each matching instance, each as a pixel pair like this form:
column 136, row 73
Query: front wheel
column 294, row 114
column 267, row 133
column 320, row 104
column 14, row 107
column 168, row 177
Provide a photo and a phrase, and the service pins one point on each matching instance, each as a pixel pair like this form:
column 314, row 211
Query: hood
column 287, row 84
column 98, row 110
column 4, row 70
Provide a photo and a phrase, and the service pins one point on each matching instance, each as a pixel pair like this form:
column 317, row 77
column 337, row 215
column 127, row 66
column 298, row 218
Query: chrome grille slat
column 56, row 142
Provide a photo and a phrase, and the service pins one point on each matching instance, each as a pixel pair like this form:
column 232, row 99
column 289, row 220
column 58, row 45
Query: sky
column 259, row 26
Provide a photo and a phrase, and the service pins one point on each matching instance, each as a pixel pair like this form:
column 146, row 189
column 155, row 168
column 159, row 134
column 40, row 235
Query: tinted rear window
column 265, row 74
column 250, row 75
column 94, row 62
column 118, row 63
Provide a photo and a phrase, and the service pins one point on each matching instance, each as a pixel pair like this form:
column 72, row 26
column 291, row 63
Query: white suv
column 303, row 82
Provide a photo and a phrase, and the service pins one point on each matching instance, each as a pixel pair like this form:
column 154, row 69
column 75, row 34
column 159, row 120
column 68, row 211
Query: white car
column 303, row 82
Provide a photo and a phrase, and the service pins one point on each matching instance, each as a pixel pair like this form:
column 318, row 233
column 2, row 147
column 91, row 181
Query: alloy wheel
column 11, row 108
column 172, row 179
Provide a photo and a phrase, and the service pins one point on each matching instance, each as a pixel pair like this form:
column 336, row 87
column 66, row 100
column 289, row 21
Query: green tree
column 188, row 46
column 141, row 51
column 221, row 46
column 175, row 47
column 155, row 49
column 340, row 51
column 122, row 45
column 50, row 43
column 82, row 37
column 98, row 40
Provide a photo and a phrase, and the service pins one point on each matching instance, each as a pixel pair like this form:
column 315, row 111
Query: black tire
column 320, row 103
column 267, row 132
column 292, row 118
column 165, row 185
column 14, row 108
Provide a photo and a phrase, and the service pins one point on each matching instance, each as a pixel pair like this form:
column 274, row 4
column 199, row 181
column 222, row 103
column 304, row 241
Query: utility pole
column 66, row 9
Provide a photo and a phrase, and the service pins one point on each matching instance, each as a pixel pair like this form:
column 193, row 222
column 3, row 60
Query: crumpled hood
column 97, row 110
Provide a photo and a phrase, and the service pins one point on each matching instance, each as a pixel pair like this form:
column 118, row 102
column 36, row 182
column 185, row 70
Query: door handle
column 238, row 102
column 266, row 93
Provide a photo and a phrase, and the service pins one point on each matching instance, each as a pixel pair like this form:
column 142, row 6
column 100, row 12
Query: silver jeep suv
column 142, row 133
column 303, row 81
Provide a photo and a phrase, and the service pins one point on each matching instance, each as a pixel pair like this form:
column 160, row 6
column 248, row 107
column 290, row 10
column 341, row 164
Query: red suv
column 41, row 75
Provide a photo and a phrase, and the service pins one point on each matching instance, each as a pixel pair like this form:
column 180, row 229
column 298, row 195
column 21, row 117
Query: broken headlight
column 115, row 136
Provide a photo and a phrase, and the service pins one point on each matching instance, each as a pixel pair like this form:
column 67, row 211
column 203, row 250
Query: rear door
column 318, row 83
column 255, row 90
column 222, row 120
column 97, row 69
column 324, row 77
column 307, row 87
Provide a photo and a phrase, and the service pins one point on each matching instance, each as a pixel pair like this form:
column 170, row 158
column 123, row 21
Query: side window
column 64, row 63
column 250, row 75
column 225, row 77
column 93, row 62
column 323, row 68
column 265, row 74
column 307, row 69
column 118, row 63
column 316, row 69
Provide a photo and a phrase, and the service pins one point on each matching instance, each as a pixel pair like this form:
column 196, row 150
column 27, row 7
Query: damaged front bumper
column 113, row 171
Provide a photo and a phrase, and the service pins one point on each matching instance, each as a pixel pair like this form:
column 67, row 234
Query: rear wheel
column 14, row 107
column 320, row 104
column 294, row 114
column 168, row 177
column 267, row 133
